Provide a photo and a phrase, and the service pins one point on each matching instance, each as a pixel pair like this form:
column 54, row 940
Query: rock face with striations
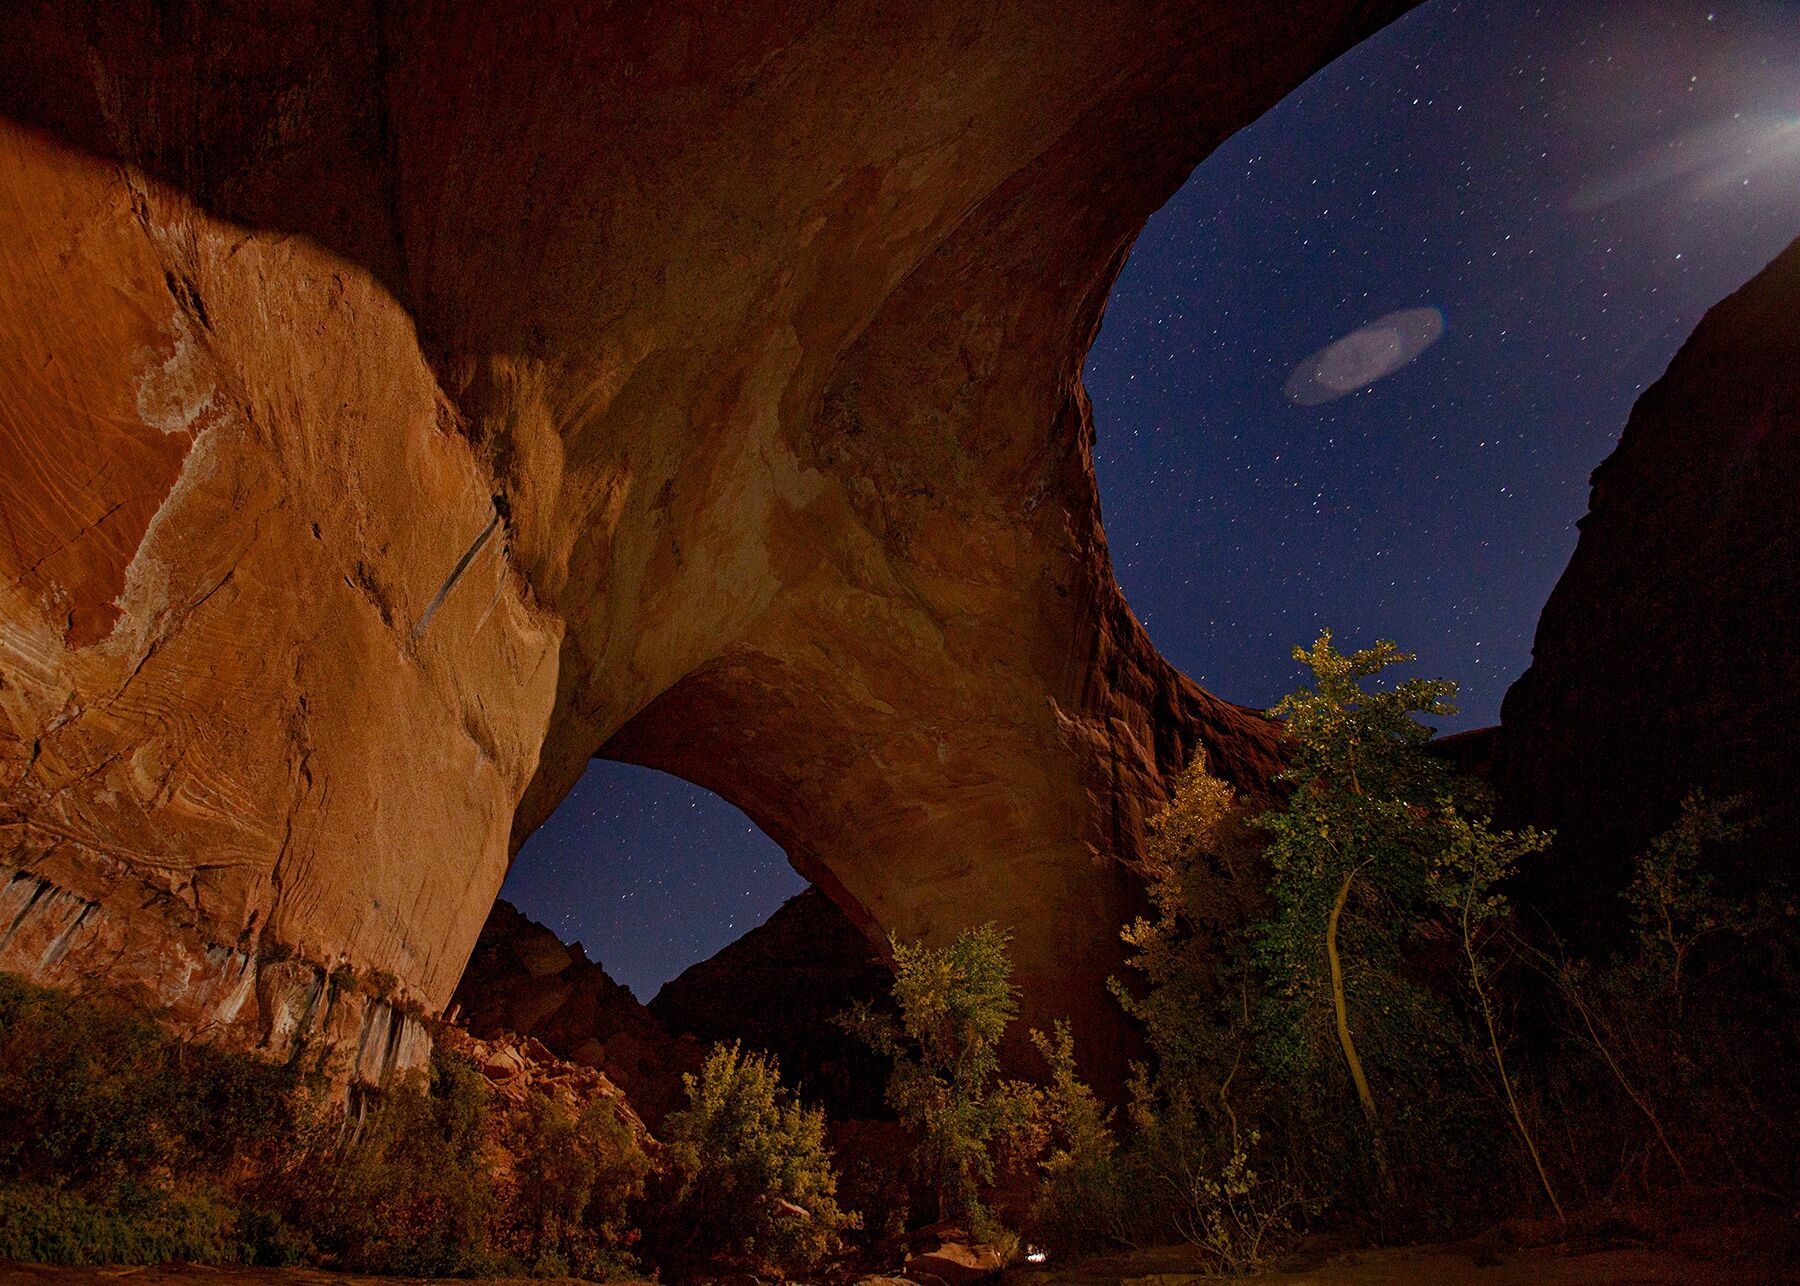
column 401, row 404
column 1666, row 657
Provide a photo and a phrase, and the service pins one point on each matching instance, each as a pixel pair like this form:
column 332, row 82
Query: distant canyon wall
column 1667, row 656
column 400, row 404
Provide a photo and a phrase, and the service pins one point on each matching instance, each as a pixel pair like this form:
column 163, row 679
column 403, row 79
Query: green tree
column 1674, row 899
column 1465, row 881
column 1202, row 865
column 753, row 1178
column 955, row 1003
column 577, row 1171
column 1348, row 849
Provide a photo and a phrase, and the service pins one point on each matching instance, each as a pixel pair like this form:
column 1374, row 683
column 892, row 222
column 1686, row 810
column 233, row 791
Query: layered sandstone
column 400, row 404
column 1665, row 659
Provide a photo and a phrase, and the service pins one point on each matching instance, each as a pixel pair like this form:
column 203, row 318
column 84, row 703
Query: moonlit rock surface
column 1367, row 354
column 400, row 404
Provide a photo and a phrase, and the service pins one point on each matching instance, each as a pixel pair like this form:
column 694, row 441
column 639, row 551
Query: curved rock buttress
column 401, row 406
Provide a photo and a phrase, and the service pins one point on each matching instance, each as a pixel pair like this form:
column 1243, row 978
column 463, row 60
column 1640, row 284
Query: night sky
column 1568, row 186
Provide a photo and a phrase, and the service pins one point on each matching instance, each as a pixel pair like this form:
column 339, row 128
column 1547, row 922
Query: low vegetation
column 127, row 1145
column 750, row 1182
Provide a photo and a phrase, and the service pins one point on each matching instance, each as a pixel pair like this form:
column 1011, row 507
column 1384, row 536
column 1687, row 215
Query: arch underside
column 404, row 406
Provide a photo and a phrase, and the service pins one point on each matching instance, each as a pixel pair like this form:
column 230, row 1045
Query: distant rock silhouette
column 523, row 981
column 779, row 988
column 1667, row 657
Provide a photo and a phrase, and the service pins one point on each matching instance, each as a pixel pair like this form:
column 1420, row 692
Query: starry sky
column 1567, row 187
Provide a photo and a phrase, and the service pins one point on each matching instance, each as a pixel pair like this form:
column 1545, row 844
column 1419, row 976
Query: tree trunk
column 1487, row 1017
column 1344, row 1038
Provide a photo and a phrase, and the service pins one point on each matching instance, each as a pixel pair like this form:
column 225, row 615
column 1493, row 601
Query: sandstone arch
column 399, row 407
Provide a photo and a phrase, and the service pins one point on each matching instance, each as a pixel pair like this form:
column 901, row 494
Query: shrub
column 1078, row 1173
column 131, row 1224
column 576, row 1174
column 1683, row 1042
column 955, row 1003
column 96, row 1094
column 1236, row 1215
column 751, row 1180
column 123, row 1144
column 120, row 1144
column 411, row 1191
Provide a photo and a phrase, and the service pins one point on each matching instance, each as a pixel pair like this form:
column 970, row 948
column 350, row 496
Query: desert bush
column 1078, row 1172
column 96, row 1094
column 1239, row 1217
column 411, row 1190
column 1206, row 878
column 750, row 1180
column 1175, row 1176
column 129, row 1224
column 1674, row 1052
column 576, row 1174
column 121, row 1144
column 124, row 1144
column 954, row 1005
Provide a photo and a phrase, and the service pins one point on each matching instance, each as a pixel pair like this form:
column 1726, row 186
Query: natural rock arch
column 398, row 408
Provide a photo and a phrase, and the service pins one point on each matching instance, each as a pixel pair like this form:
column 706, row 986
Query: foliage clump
column 1683, row 1040
column 410, row 1190
column 751, row 1179
column 125, row 1144
column 1184, row 1168
column 576, row 1173
column 954, row 1005
column 120, row 1144
column 1337, row 1018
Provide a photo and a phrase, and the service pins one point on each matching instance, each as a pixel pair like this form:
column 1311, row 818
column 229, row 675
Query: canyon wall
column 400, row 404
column 1665, row 659
column 780, row 988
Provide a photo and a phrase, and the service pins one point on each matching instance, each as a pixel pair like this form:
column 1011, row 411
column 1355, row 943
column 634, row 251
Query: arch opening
column 651, row 872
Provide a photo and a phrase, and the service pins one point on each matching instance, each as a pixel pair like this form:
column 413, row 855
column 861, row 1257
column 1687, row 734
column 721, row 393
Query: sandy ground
column 1462, row 1265
column 1633, row 1267
column 175, row 1275
column 1636, row 1266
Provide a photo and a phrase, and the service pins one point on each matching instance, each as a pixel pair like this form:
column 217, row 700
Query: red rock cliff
column 401, row 403
column 1666, row 658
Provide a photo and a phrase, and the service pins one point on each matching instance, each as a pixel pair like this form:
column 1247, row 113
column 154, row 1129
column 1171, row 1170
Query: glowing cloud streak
column 1707, row 161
